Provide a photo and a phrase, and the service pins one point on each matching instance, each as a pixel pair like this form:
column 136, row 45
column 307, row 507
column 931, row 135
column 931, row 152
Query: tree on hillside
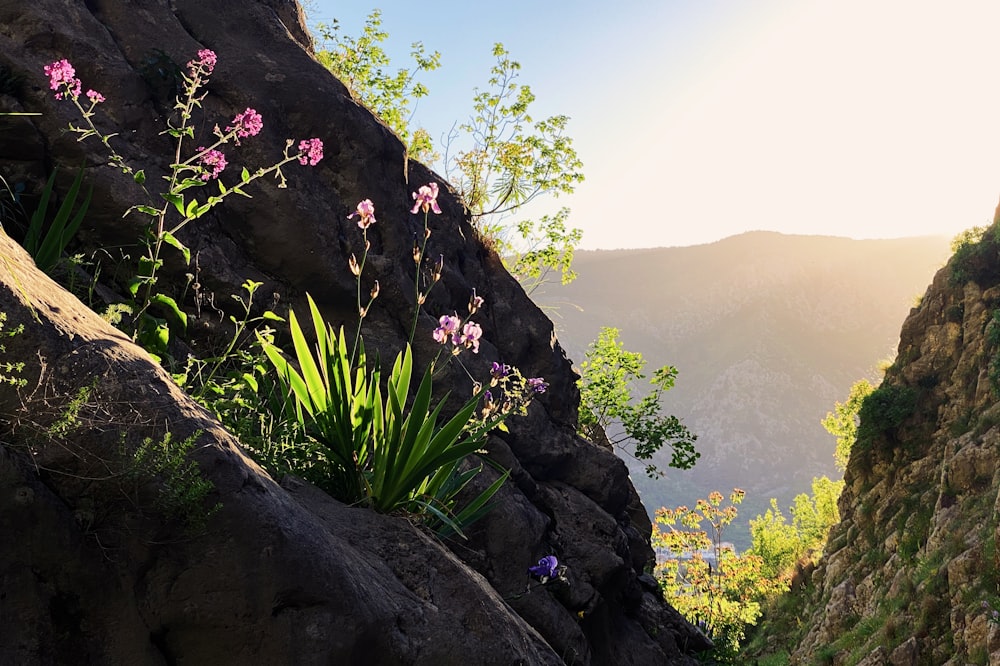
column 363, row 66
column 502, row 158
column 609, row 406
column 710, row 584
column 843, row 421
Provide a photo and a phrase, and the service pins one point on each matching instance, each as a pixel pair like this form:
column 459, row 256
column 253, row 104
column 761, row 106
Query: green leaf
column 170, row 305
column 176, row 199
column 48, row 252
column 171, row 240
column 140, row 177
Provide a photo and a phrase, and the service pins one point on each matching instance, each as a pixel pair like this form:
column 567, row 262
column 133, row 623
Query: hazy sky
column 700, row 119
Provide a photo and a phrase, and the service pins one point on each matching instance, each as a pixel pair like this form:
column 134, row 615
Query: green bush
column 883, row 411
column 976, row 256
column 369, row 447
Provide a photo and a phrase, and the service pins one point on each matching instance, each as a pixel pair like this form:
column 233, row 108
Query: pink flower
column 471, row 333
column 448, row 328
column 62, row 75
column 312, row 152
column 213, row 161
column 95, row 97
column 365, row 213
column 248, row 123
column 426, row 198
column 204, row 64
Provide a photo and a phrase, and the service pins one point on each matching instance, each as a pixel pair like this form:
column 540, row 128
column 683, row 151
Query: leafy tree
column 776, row 541
column 608, row 379
column 363, row 66
column 506, row 158
column 512, row 160
column 843, row 421
column 725, row 598
column 816, row 514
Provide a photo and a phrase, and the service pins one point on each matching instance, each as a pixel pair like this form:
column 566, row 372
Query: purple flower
column 62, row 76
column 547, row 567
column 312, row 152
column 426, row 197
column 471, row 333
column 213, row 161
column 537, row 385
column 95, row 97
column 204, row 64
column 365, row 213
column 448, row 327
column 248, row 123
column 499, row 370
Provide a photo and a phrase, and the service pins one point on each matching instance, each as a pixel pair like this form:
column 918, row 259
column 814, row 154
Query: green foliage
column 781, row 544
column 976, row 252
column 842, row 422
column 814, row 515
column 69, row 418
column 367, row 447
column 183, row 490
column 547, row 246
column 608, row 379
column 504, row 159
column 363, row 66
column 10, row 370
column 884, row 410
column 511, row 160
column 155, row 314
column 723, row 599
column 514, row 158
column 47, row 249
column 776, row 541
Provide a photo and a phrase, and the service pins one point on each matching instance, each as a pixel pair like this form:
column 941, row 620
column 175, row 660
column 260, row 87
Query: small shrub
column 976, row 252
column 184, row 490
column 9, row 370
column 883, row 411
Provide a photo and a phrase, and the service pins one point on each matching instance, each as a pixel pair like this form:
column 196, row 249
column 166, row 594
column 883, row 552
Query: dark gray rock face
column 284, row 574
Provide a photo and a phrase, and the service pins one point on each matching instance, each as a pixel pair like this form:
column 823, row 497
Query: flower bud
column 353, row 264
column 475, row 302
column 375, row 290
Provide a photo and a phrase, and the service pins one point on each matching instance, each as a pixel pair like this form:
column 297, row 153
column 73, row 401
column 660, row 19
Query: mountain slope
column 767, row 331
column 911, row 574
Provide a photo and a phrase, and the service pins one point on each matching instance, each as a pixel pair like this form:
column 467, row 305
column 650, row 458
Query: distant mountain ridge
column 767, row 330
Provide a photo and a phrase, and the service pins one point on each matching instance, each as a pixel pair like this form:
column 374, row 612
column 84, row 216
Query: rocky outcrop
column 910, row 575
column 283, row 574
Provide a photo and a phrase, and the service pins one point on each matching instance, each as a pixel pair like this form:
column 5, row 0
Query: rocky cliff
column 911, row 575
column 284, row 574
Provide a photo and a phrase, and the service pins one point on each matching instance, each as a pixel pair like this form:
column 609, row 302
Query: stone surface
column 916, row 548
column 271, row 580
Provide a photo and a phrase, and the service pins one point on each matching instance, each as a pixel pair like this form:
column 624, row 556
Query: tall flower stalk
column 203, row 165
column 425, row 198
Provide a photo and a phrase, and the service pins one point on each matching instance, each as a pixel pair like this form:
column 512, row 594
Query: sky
column 701, row 119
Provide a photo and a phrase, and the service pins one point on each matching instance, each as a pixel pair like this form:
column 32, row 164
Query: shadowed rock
column 283, row 574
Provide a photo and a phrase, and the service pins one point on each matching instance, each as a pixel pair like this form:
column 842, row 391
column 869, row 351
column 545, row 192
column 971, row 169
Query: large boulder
column 283, row 574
